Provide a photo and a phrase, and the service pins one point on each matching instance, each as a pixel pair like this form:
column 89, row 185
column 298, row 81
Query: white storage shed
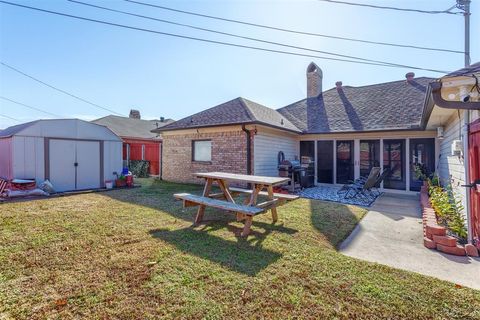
column 73, row 154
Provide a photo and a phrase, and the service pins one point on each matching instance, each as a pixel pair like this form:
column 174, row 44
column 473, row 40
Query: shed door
column 74, row 165
column 474, row 159
column 62, row 164
column 88, row 168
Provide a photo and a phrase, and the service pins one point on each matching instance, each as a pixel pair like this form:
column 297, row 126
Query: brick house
column 139, row 143
column 346, row 131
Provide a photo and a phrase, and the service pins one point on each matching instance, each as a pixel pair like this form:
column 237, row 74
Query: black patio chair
column 364, row 190
column 358, row 185
column 376, row 187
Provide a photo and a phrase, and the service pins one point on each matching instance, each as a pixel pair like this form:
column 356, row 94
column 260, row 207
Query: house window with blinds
column 202, row 150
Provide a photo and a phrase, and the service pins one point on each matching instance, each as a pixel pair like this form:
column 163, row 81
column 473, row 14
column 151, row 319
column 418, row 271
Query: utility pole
column 465, row 6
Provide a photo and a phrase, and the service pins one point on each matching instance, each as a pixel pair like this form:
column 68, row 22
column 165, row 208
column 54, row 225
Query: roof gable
column 236, row 111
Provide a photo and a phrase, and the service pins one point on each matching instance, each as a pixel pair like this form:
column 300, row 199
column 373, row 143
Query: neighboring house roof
column 131, row 127
column 236, row 111
column 394, row 105
column 474, row 68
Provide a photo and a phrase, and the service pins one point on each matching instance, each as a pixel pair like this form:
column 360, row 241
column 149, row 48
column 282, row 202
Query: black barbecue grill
column 292, row 169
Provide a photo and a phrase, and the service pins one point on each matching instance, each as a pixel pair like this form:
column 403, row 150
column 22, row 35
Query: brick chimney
column 409, row 76
column 338, row 84
column 314, row 80
column 134, row 114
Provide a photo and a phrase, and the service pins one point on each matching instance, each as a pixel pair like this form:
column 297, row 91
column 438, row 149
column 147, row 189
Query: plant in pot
column 121, row 181
column 421, row 172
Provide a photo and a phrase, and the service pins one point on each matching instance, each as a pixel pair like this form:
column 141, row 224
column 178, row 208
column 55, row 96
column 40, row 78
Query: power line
column 30, row 107
column 7, row 117
column 295, row 31
column 393, row 8
column 235, row 35
column 51, row 86
column 217, row 42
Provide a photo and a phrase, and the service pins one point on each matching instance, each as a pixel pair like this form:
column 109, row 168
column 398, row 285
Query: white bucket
column 109, row 184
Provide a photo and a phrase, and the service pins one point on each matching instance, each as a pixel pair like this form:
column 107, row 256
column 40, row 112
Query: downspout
column 249, row 151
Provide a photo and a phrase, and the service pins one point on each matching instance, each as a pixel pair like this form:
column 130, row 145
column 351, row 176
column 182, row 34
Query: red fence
column 144, row 150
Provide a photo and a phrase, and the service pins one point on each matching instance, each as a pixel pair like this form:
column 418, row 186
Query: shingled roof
column 474, row 68
column 126, row 127
column 394, row 105
column 236, row 111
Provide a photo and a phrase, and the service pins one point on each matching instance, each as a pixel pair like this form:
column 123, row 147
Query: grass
column 132, row 254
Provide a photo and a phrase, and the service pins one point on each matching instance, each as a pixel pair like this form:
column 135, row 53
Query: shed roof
column 61, row 129
column 131, row 127
column 236, row 111
column 13, row 130
column 396, row 105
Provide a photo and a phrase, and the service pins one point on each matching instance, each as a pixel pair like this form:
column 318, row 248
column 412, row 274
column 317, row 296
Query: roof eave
column 160, row 130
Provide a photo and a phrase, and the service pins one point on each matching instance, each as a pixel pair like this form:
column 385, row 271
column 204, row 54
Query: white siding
column 6, row 158
column 28, row 158
column 266, row 147
column 451, row 169
column 112, row 159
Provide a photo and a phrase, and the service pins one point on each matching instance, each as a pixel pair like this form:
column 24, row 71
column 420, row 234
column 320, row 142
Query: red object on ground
column 129, row 181
column 22, row 186
column 436, row 230
column 457, row 250
column 474, row 160
column 471, row 250
column 148, row 150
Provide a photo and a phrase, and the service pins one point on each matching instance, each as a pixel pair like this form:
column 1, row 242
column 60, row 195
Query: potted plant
column 121, row 181
column 421, row 172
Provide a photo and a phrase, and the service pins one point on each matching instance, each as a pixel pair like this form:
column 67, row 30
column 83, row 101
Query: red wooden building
column 139, row 143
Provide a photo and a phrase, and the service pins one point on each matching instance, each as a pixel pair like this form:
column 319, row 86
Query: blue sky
column 163, row 76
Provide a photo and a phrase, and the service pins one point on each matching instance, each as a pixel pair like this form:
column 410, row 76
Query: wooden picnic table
column 249, row 208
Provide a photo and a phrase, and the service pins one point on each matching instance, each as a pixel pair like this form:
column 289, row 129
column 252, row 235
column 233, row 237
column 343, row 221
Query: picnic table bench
column 224, row 199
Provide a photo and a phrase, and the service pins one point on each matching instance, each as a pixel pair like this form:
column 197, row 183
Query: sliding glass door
column 394, row 160
column 345, row 161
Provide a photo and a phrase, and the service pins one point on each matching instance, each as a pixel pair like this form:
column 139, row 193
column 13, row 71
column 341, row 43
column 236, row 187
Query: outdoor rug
column 328, row 193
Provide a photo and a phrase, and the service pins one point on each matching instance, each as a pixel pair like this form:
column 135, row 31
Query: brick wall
column 229, row 152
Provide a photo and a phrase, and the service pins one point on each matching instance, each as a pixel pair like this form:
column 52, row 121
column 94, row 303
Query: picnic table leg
column 206, row 193
column 273, row 209
column 248, row 224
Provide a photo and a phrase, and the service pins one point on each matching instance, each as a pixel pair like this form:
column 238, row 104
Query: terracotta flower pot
column 120, row 183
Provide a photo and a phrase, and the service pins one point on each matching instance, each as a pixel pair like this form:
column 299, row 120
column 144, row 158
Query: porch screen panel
column 422, row 160
column 394, row 159
column 307, row 149
column 345, row 161
column 369, row 156
column 325, row 161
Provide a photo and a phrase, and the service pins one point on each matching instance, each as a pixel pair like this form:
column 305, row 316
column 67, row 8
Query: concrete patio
column 391, row 234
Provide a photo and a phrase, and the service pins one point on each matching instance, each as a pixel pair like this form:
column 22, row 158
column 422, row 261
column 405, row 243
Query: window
column 202, row 150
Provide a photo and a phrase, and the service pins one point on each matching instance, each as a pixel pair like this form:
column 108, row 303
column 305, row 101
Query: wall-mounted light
column 440, row 133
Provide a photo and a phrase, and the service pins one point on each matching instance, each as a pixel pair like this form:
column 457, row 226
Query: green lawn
column 132, row 254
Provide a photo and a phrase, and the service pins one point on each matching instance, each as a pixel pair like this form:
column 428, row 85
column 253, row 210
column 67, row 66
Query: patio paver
column 391, row 234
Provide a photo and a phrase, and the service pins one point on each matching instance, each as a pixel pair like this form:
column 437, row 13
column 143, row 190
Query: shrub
column 448, row 210
column 139, row 168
